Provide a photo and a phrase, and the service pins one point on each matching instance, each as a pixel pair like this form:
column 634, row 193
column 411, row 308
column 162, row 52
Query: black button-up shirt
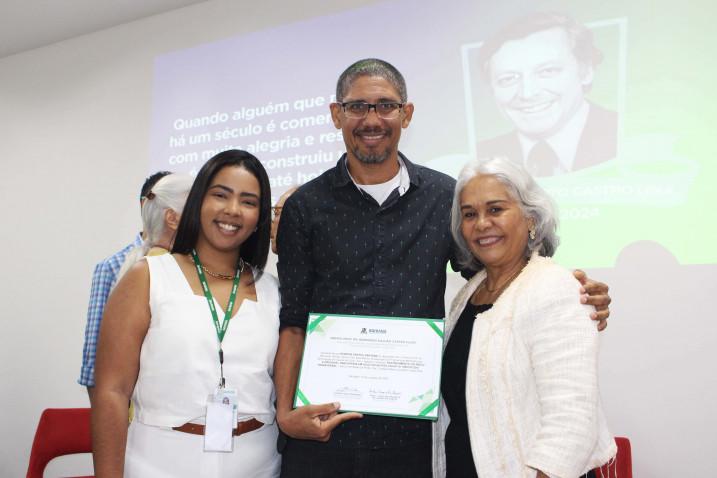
column 341, row 252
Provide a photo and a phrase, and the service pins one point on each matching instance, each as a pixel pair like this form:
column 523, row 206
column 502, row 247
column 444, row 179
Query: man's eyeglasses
column 360, row 109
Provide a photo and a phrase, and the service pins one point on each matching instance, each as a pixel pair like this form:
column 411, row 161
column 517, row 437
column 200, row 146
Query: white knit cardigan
column 531, row 385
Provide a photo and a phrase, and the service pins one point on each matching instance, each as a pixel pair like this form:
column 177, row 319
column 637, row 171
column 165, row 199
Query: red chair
column 61, row 431
column 621, row 467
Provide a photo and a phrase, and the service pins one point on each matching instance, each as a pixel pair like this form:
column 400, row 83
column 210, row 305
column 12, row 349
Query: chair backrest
column 621, row 467
column 61, row 431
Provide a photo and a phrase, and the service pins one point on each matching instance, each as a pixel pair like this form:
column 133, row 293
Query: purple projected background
column 268, row 92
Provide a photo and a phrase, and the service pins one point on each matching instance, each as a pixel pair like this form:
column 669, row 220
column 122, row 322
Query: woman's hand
column 596, row 294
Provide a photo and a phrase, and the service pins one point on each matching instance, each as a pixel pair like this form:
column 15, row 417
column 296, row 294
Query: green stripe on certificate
column 429, row 408
column 437, row 329
column 302, row 397
column 314, row 323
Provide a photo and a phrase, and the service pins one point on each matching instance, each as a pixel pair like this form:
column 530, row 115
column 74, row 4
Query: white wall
column 74, row 123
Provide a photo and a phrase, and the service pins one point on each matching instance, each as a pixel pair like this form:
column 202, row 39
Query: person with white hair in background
column 161, row 212
column 104, row 279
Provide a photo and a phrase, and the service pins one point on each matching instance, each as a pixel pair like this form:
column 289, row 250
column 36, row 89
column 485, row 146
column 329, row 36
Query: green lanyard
column 221, row 329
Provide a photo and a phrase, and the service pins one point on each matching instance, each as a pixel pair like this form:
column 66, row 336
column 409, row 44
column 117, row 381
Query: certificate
column 375, row 365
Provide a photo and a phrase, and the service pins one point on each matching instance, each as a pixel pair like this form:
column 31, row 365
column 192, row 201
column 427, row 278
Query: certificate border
column 301, row 400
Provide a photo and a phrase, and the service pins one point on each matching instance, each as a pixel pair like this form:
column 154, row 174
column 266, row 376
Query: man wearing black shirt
column 369, row 236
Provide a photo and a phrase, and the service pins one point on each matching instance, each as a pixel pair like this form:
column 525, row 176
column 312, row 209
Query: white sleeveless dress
column 179, row 368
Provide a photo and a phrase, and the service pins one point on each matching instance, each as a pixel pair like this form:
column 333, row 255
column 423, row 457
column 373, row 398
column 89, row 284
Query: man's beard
column 372, row 158
column 375, row 158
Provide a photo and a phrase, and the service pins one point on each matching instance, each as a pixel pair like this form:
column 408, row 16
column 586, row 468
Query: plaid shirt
column 103, row 279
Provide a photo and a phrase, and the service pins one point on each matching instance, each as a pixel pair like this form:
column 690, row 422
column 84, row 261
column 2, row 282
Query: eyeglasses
column 360, row 109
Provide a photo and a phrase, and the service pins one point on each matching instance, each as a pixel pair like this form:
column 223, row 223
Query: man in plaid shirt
column 103, row 279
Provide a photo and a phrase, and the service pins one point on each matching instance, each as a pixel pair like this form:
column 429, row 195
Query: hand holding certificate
column 377, row 365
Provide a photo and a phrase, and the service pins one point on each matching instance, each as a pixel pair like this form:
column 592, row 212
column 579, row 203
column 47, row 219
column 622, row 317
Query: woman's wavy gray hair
column 533, row 200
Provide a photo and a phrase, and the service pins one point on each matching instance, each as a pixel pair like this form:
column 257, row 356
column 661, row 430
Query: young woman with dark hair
column 174, row 343
column 255, row 249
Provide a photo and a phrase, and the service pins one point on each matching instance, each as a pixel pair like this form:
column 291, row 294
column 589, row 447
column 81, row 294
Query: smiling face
column 371, row 140
column 230, row 209
column 538, row 83
column 493, row 224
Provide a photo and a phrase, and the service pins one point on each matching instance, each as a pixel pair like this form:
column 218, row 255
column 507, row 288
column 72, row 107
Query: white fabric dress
column 179, row 368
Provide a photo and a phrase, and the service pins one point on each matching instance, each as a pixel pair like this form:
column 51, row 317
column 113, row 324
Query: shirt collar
column 342, row 177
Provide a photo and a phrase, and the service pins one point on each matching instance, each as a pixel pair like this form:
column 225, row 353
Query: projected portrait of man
column 539, row 69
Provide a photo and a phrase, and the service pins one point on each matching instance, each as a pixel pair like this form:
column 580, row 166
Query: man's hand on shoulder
column 313, row 422
column 596, row 294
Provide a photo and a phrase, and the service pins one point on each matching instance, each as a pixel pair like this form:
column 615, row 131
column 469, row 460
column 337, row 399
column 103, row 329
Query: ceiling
column 29, row 24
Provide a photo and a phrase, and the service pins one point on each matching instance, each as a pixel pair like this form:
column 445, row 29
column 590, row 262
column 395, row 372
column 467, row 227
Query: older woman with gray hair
column 519, row 376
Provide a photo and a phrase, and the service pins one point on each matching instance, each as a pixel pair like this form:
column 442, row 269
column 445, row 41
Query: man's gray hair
column 532, row 199
column 371, row 67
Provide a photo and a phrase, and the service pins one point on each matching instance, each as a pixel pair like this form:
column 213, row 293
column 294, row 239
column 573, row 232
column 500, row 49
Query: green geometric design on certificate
column 424, row 399
column 435, row 328
column 429, row 408
column 326, row 323
column 314, row 323
column 300, row 395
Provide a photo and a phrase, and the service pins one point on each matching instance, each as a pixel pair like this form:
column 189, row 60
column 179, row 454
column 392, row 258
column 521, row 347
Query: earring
column 531, row 233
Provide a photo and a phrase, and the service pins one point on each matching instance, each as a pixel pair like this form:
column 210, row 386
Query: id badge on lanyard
column 221, row 416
